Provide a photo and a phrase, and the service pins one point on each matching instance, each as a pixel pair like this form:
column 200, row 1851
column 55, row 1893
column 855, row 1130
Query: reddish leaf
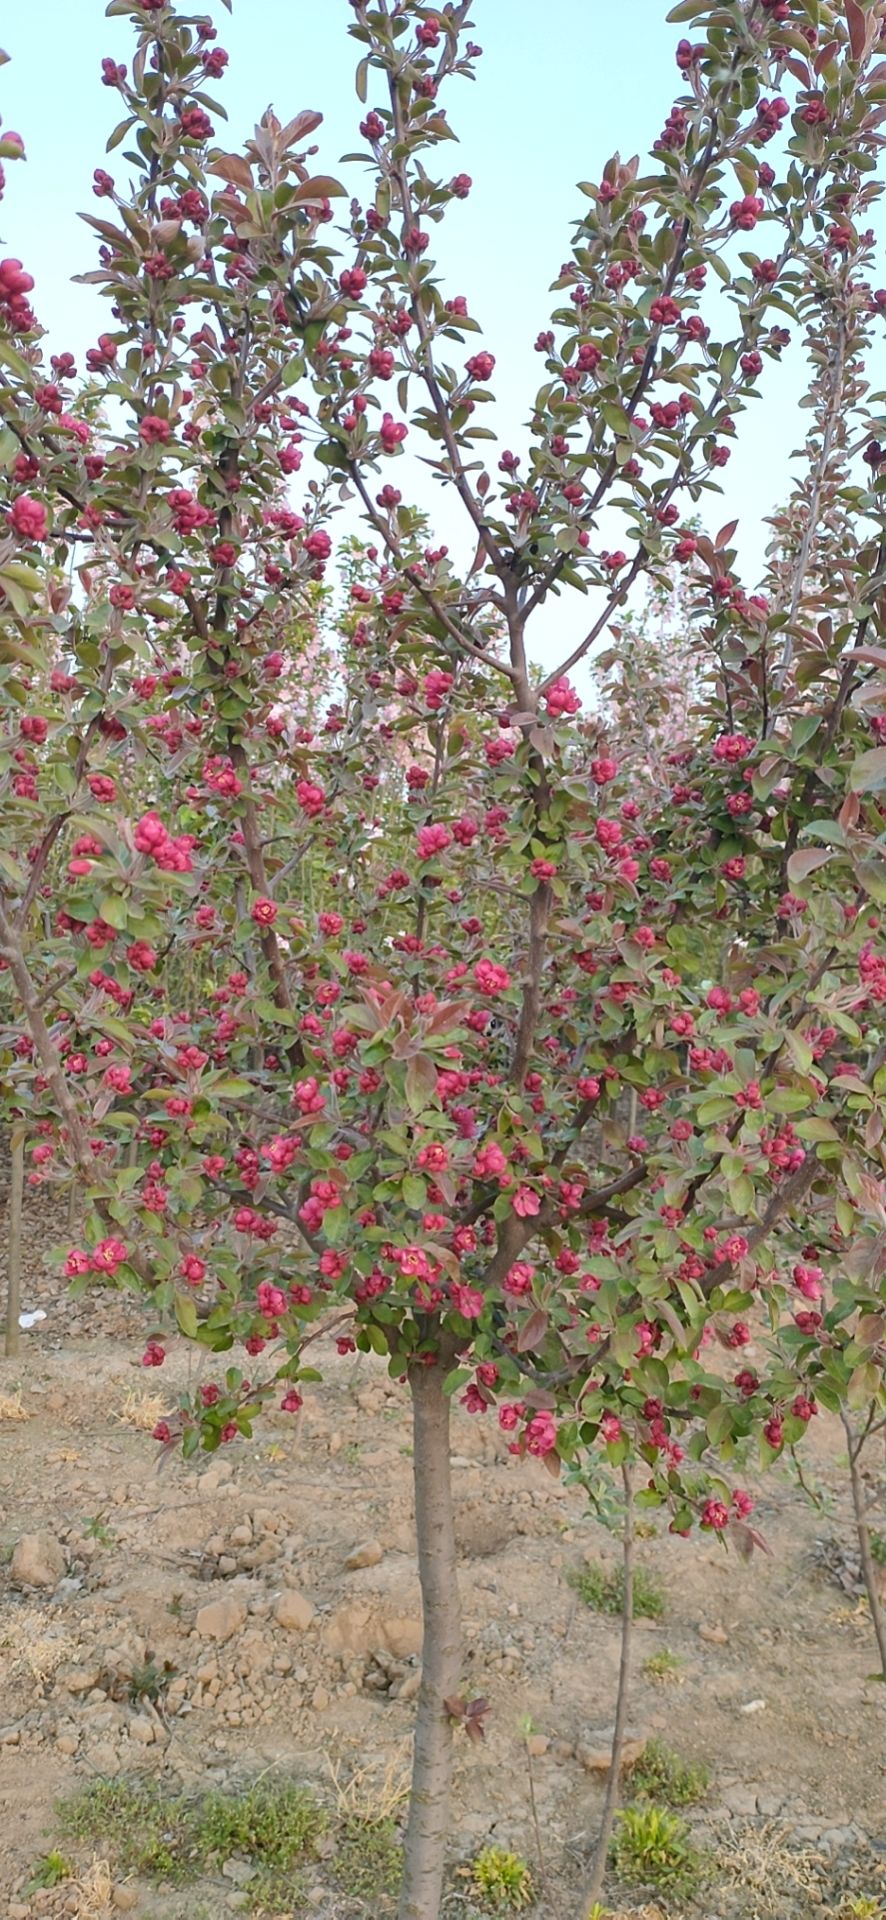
column 804, row 862
column 304, row 123
column 421, row 1081
column 469, row 1714
column 323, row 188
column 857, row 24
column 850, row 810
column 825, row 56
column 532, row 1332
column 231, row 167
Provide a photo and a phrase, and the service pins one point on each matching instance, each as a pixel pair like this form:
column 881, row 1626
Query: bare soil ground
column 773, row 1691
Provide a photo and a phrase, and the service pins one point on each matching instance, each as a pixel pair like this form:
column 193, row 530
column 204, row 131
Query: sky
column 560, row 88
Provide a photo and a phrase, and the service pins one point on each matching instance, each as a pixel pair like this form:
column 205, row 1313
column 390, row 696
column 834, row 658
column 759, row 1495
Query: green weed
column 501, row 1881
column 653, row 1848
column 603, row 1589
column 51, row 1871
column 369, row 1858
column 660, row 1774
column 663, row 1667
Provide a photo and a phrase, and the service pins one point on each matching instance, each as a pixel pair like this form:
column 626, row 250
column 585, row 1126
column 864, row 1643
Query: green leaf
column 186, row 1315
column 335, row 1226
column 719, row 1423
column 10, row 358
column 844, row 1211
column 459, row 1378
column 868, row 774
column 415, row 1192
column 818, row 1129
column 742, row 1195
column 864, row 1383
column 122, row 129
column 114, row 911
column 871, row 874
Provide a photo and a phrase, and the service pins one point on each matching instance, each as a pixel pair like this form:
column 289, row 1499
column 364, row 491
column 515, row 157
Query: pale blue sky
column 560, row 87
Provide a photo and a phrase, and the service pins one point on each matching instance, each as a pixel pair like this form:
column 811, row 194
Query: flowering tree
column 380, row 1009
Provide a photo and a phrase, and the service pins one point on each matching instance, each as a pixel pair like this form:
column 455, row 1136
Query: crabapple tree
column 374, row 989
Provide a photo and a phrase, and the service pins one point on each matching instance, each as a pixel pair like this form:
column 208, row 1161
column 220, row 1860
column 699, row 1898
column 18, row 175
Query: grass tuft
column 653, row 1848
column 660, row 1774
column 50, row 1871
column 665, row 1668
column 369, row 1859
column 274, row 1826
column 501, row 1881
column 602, row 1588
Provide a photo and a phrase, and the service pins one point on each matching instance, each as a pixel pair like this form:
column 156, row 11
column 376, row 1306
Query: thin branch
column 412, row 574
column 426, row 367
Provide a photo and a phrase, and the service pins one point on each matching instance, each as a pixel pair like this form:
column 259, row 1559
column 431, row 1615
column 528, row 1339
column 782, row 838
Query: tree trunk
column 14, row 1282
column 428, row 1823
column 859, row 1506
column 591, row 1892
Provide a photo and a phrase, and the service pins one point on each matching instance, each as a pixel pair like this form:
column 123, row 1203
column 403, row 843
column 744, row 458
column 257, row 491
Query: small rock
column 125, row 1898
column 17, row 1912
column 407, row 1689
column 740, row 1799
column 370, row 1554
column 537, row 1744
column 753, row 1706
column 715, row 1635
column 78, row 1679
column 38, row 1560
column 294, row 1611
column 403, row 1634
column 320, row 1699
column 67, row 1743
column 103, row 1758
column 220, row 1619
column 240, row 1871
column 599, row 1759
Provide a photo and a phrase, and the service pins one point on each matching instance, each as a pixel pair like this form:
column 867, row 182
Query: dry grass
column 85, row 1896
column 95, row 1892
column 141, row 1410
column 32, row 1643
column 11, row 1407
column 770, row 1871
column 370, row 1794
